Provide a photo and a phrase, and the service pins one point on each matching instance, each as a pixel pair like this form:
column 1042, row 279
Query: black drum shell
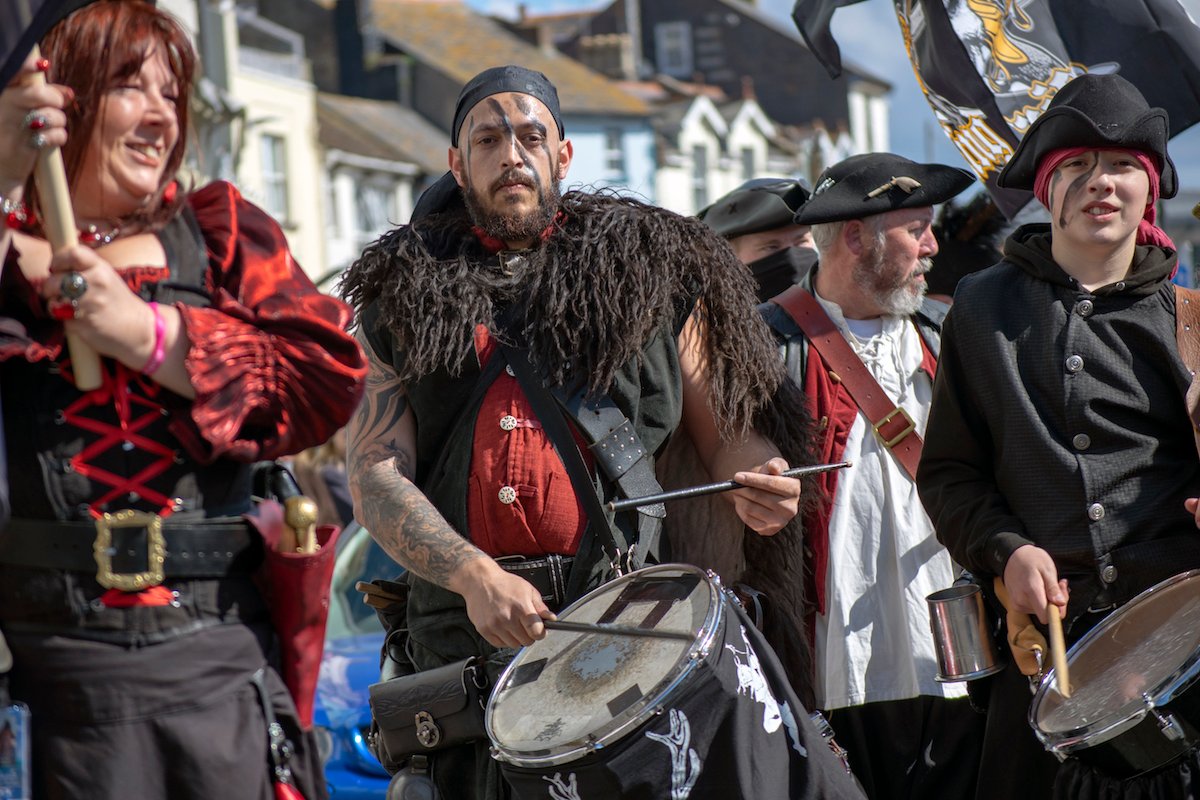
column 737, row 756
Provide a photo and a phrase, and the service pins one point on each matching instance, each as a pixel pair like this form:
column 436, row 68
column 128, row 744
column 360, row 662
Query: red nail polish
column 43, row 64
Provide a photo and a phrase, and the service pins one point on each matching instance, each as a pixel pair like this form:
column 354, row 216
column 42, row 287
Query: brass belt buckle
column 156, row 551
column 895, row 440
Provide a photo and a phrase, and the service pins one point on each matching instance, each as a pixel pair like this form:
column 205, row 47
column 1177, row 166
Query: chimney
column 522, row 12
column 748, row 88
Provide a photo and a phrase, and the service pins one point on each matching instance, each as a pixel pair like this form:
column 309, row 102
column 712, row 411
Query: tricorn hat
column 762, row 204
column 1104, row 111
column 875, row 183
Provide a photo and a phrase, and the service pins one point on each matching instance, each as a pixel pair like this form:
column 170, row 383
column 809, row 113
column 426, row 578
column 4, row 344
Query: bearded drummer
column 645, row 314
column 1060, row 454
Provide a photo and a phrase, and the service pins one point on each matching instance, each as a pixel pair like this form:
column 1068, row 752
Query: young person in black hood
column 1059, row 454
column 758, row 221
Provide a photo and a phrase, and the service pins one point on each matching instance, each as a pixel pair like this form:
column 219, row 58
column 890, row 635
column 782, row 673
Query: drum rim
column 637, row 714
column 1114, row 724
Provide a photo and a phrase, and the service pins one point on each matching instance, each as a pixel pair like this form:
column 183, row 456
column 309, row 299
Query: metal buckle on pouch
column 156, row 551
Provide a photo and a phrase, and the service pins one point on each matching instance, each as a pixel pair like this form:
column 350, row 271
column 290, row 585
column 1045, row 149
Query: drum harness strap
column 891, row 423
column 1187, row 338
column 619, row 453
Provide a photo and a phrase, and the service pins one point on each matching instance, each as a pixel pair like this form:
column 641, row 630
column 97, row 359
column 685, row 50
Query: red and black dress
column 152, row 693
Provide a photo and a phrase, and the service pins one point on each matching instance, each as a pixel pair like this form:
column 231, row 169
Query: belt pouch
column 430, row 711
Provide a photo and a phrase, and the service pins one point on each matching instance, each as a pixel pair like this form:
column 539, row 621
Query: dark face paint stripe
column 1076, row 188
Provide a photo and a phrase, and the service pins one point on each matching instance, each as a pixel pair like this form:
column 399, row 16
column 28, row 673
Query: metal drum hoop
column 651, row 703
column 1107, row 728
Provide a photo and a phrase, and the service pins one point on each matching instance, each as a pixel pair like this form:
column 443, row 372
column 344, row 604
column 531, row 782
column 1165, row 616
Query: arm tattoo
column 381, row 462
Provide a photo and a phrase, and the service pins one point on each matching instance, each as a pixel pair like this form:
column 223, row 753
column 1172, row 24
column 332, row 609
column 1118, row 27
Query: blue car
column 353, row 638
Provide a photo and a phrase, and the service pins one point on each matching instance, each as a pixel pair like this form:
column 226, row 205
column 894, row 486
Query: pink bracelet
column 160, row 343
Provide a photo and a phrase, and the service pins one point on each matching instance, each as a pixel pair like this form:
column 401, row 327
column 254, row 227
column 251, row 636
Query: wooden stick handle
column 1058, row 650
column 58, row 221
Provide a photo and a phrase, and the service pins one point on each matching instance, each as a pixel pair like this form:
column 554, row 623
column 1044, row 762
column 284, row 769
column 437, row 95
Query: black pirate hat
column 874, row 183
column 762, row 204
column 1093, row 111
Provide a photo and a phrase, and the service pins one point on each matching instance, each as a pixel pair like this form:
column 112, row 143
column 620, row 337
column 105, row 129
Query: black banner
column 22, row 24
column 989, row 67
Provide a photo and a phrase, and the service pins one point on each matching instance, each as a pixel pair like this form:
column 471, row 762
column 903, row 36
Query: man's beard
column 511, row 226
column 898, row 295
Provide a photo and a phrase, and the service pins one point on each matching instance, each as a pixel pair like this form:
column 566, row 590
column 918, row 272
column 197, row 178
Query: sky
column 869, row 37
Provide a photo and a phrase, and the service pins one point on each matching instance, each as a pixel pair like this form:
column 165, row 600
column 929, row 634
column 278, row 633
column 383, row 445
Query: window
column 614, row 152
column 274, row 177
column 699, row 176
column 748, row 170
column 673, row 45
column 376, row 209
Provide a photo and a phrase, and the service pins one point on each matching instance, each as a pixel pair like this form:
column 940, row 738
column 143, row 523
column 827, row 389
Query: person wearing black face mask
column 757, row 220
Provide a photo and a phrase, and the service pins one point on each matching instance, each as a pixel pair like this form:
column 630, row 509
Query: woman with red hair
column 1060, row 454
column 141, row 641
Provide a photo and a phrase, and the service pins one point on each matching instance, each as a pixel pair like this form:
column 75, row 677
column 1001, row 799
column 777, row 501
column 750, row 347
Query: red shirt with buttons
column 520, row 500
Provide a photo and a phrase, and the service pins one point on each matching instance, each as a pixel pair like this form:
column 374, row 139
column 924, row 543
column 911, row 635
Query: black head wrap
column 498, row 80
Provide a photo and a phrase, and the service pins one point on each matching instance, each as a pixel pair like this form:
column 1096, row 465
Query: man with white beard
column 862, row 340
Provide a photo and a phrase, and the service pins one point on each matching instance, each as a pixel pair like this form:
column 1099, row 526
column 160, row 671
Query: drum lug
column 1167, row 723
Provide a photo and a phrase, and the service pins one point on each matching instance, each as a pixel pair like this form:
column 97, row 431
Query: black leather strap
column 622, row 458
column 198, row 550
column 548, row 575
column 554, row 423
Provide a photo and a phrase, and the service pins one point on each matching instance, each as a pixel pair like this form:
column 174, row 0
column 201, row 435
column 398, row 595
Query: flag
column 989, row 67
column 22, row 25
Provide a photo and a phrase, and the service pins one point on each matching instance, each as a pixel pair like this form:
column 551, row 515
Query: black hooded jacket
column 1059, row 420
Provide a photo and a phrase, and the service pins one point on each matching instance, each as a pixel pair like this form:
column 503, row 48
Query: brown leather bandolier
column 891, row 423
column 1187, row 337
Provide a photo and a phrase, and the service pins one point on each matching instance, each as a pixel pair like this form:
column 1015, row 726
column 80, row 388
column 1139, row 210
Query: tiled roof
column 461, row 43
column 380, row 129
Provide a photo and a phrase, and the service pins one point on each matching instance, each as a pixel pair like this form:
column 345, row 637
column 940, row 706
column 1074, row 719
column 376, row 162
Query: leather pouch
column 429, row 711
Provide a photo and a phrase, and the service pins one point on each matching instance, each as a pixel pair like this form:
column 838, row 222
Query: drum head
column 1139, row 656
column 572, row 692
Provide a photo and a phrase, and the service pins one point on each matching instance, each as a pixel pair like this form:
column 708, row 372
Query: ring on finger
column 38, row 141
column 35, row 121
column 73, row 287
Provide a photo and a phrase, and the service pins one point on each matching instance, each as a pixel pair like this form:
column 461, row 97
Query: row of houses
column 334, row 114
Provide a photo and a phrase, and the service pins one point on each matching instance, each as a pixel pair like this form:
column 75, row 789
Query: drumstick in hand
column 1058, row 650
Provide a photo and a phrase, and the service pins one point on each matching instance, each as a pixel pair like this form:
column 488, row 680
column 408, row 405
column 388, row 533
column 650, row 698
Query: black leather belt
column 132, row 546
column 548, row 574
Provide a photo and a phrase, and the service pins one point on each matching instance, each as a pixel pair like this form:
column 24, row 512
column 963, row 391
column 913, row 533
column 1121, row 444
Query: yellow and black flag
column 989, row 67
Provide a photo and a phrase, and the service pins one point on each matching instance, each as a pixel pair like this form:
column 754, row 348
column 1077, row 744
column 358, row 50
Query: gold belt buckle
column 909, row 428
column 156, row 551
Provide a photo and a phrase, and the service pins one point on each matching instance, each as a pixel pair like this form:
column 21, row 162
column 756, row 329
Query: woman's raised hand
column 31, row 117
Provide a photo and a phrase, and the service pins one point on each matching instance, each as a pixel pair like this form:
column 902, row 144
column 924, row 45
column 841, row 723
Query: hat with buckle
column 762, row 204
column 875, row 183
column 1102, row 111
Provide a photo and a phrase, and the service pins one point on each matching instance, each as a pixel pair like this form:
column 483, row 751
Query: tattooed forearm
column 381, row 465
column 408, row 527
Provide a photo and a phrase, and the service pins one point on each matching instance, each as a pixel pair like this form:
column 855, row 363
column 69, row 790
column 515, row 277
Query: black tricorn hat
column 875, row 183
column 1093, row 111
column 762, row 204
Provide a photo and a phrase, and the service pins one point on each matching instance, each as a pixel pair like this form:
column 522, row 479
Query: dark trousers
column 1015, row 765
column 926, row 748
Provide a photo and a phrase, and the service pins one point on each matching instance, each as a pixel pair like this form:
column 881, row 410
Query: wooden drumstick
column 1058, row 650
column 614, row 630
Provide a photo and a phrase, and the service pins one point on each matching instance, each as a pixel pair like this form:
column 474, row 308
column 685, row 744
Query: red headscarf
column 1147, row 232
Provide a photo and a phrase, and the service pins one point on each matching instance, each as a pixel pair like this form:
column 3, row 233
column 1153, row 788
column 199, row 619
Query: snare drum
column 1132, row 707
column 601, row 715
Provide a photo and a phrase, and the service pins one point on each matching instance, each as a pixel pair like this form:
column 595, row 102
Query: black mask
column 778, row 271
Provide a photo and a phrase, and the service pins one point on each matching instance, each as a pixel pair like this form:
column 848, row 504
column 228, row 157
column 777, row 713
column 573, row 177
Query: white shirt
column 874, row 642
